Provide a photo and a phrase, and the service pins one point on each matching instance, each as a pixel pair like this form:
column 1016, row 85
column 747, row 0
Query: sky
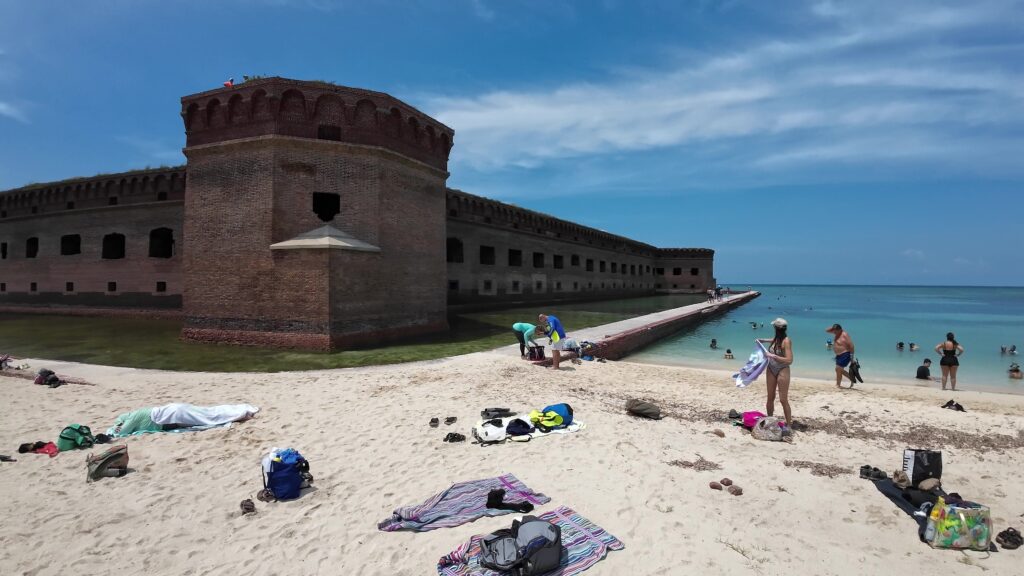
column 819, row 141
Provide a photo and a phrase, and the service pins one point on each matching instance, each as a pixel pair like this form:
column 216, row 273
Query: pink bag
column 750, row 419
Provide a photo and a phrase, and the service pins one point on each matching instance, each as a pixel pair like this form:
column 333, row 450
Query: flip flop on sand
column 6, row 458
column 454, row 437
column 865, row 471
column 434, row 422
column 265, row 496
column 948, row 404
column 248, row 506
column 877, row 474
column 733, row 414
column 450, row 420
column 1009, row 539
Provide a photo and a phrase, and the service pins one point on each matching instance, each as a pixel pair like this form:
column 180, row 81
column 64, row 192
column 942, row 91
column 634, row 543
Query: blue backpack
column 288, row 470
column 563, row 410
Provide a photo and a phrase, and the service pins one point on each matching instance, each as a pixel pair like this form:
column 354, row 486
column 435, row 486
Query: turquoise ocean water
column 877, row 317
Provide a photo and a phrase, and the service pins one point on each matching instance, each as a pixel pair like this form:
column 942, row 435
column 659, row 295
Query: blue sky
column 806, row 141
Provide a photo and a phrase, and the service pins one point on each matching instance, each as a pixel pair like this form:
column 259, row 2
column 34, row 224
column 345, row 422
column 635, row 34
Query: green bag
column 75, row 436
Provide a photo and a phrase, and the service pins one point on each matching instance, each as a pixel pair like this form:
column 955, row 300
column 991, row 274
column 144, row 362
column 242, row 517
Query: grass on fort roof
column 150, row 343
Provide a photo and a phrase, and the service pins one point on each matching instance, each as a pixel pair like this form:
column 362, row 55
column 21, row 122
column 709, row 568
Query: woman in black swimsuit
column 950, row 350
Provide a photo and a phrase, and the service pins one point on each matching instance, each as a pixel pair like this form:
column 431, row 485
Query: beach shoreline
column 371, row 450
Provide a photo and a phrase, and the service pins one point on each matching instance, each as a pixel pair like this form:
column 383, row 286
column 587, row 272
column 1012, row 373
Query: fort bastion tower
column 315, row 216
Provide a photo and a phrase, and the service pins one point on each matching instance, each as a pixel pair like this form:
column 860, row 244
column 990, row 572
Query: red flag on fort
column 229, row 83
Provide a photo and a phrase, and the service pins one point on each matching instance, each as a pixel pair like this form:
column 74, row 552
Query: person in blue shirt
column 553, row 329
column 524, row 334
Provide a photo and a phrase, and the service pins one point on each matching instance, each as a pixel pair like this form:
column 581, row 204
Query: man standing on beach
column 842, row 345
column 552, row 326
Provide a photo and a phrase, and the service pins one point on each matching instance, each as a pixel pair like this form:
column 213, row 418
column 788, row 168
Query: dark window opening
column 161, row 243
column 659, row 271
column 632, row 269
column 515, row 257
column 71, row 205
column 326, row 205
column 328, row 132
column 487, row 255
column 3, row 213
column 69, row 286
column 453, row 285
column 590, row 265
column 487, row 219
column 113, row 247
column 31, row 247
column 574, row 260
column 539, row 286
column 112, row 201
column 161, row 286
column 648, row 270
column 35, row 209
column 488, row 285
column 623, row 270
column 453, row 213
column 3, row 287
column 515, row 285
column 454, row 250
column 111, row 286
column 3, row 250
column 32, row 287
column 674, row 286
column 575, row 285
column 538, row 259
column 677, row 272
column 70, row 245
column 558, row 285
column 693, row 285
column 694, row 271
column 615, row 267
column 602, row 270
column 559, row 261
column 161, row 196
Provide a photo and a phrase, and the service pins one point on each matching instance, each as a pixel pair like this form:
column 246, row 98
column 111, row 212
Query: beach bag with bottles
column 960, row 526
column 285, row 473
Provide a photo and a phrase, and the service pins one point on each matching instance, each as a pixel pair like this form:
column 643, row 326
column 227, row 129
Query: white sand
column 365, row 433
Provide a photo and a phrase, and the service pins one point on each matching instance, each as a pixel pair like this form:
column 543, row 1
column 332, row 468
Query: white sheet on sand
column 576, row 426
column 189, row 415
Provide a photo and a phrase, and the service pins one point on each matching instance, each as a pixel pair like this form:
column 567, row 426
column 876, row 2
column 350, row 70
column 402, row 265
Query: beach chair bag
column 111, row 463
column 643, row 409
column 75, row 436
column 531, row 548
column 284, row 473
column 921, row 465
column 535, row 353
column 964, row 526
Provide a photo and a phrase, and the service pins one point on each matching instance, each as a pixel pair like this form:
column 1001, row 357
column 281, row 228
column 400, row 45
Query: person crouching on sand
column 524, row 332
column 554, row 331
column 843, row 348
column 780, row 357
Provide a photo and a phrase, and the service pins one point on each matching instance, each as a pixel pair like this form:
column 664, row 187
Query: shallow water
column 877, row 317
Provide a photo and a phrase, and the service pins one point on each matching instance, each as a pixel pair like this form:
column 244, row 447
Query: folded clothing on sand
column 461, row 503
column 585, row 544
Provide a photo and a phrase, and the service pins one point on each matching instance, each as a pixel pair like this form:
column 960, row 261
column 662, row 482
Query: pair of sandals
column 434, row 422
column 1009, row 539
column 954, row 406
column 869, row 472
column 455, row 437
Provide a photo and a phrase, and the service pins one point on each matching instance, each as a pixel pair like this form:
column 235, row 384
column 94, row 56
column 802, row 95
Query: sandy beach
column 371, row 450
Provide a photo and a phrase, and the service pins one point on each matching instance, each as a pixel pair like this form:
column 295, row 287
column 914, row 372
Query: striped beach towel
column 585, row 544
column 459, row 504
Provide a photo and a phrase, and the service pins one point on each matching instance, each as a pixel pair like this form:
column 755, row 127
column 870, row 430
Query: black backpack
column 530, row 548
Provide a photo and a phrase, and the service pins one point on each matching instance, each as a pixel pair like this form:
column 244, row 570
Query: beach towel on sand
column 460, row 503
column 186, row 416
column 585, row 544
column 754, row 367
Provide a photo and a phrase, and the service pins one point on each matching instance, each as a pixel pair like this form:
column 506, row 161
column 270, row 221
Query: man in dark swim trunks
column 842, row 345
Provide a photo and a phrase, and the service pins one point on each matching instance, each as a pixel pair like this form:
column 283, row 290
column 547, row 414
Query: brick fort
column 308, row 215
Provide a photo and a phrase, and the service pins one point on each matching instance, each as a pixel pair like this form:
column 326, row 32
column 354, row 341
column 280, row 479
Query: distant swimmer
column 728, row 354
column 899, row 346
column 753, row 325
column 714, row 344
column 914, row 347
column 1015, row 372
column 924, row 371
column 828, row 344
column 1013, row 349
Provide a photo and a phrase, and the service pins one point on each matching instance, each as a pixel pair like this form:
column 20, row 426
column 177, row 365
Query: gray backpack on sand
column 532, row 547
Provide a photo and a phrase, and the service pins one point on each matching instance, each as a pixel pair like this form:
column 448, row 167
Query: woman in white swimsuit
column 780, row 357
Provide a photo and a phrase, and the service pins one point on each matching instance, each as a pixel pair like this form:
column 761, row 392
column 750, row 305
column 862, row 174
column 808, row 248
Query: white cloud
column 913, row 254
column 13, row 112
column 860, row 90
column 481, row 9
